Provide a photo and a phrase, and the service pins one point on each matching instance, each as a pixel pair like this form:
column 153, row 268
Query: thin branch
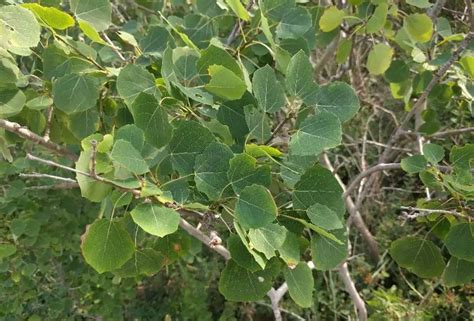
column 54, row 187
column 237, row 27
column 112, row 46
column 40, row 175
column 93, row 162
column 49, row 119
column 354, row 215
column 355, row 181
column 29, row 135
column 194, row 232
column 351, row 289
column 426, row 211
column 452, row 132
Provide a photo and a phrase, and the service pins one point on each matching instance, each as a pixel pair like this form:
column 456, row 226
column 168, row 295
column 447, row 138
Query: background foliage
column 197, row 160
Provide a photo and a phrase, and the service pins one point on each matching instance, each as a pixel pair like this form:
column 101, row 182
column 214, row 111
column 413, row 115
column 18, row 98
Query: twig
column 194, row 232
column 40, row 175
column 435, row 9
column 238, row 25
column 427, row 211
column 29, row 135
column 452, row 132
column 93, row 163
column 355, row 217
column 49, row 119
column 351, row 289
column 112, row 46
column 54, row 187
column 380, row 167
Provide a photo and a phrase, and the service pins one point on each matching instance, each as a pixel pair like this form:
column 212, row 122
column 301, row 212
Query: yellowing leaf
column 331, row 19
column 52, row 17
column 379, row 59
column 419, row 26
column 238, row 9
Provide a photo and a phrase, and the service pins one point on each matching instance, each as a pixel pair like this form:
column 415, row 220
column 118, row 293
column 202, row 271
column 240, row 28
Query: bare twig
column 194, row 232
column 29, row 135
column 380, row 167
column 420, row 212
column 355, row 217
column 351, row 289
column 452, row 132
column 93, row 162
column 237, row 27
column 49, row 119
column 112, row 46
column 40, row 175
column 54, row 187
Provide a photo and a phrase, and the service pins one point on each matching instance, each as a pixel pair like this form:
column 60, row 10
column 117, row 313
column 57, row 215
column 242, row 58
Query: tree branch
column 29, row 135
column 238, row 25
column 351, row 289
column 356, row 180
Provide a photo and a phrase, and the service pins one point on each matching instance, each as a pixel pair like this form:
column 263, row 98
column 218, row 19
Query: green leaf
column 467, row 62
column 262, row 151
column 380, row 57
column 213, row 55
column 294, row 24
column 299, row 77
column 378, row 18
column 125, row 155
column 19, row 29
column 152, row 119
column 97, row 13
column 155, row 41
column 225, row 84
column 50, row 16
column 75, row 93
column 240, row 254
column 239, row 284
column 331, row 19
column 258, row 124
column 414, row 164
column 6, row 250
column 290, row 249
column 460, row 241
column 318, row 186
column 267, row 90
column 106, row 245
column 12, row 101
column 56, row 63
column 397, row 72
column 338, row 98
column 90, row 188
column 189, row 140
column 156, row 219
column 462, row 157
column 133, row 80
column 433, row 153
column 84, row 123
column 276, row 9
column 132, row 134
column 39, row 103
column 419, row 27
column 324, row 217
column 300, row 284
column 268, row 239
column 420, row 256
column 327, row 253
column 258, row 257
column 316, row 133
column 211, row 170
column 255, row 207
column 343, row 50
column 90, row 32
column 423, row 4
column 238, row 9
column 458, row 272
column 243, row 171
column 144, row 262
